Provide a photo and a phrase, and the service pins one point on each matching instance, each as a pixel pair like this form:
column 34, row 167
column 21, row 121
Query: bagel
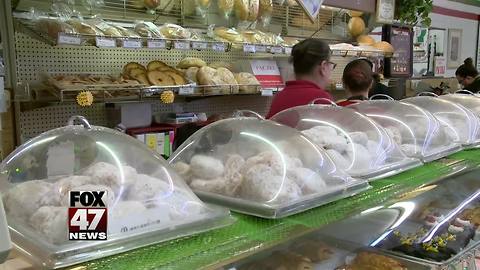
column 159, row 78
column 131, row 65
column 153, row 65
column 178, row 79
column 134, row 72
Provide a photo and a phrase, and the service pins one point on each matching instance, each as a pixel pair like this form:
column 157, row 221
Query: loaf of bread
column 384, row 46
column 248, row 83
column 247, row 10
column 221, row 77
column 53, row 27
column 191, row 74
column 228, row 35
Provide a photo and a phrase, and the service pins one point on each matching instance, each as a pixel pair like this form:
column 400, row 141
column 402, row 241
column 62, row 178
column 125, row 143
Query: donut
column 159, row 78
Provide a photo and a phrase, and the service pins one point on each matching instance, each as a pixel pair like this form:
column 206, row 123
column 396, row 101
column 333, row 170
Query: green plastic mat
column 249, row 234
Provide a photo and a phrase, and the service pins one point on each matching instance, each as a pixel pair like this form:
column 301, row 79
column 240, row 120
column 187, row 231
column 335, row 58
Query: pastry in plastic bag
column 51, row 222
column 227, row 35
column 54, row 26
column 84, row 27
column 248, row 83
column 205, row 167
column 246, row 10
column 174, row 31
column 126, row 32
column 148, row 29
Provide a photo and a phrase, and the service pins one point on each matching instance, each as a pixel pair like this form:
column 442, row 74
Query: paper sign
column 199, row 45
column 311, row 8
column 440, row 65
column 288, row 50
column 266, row 72
column 186, row 91
column 156, row 44
column 132, row 43
column 249, row 48
column 182, row 45
column 66, row 39
column 154, row 217
column 260, row 48
column 103, row 42
column 218, row 47
column 276, row 50
column 267, row 92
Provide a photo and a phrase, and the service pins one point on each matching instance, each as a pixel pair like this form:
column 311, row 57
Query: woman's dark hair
column 309, row 53
column 467, row 69
column 358, row 76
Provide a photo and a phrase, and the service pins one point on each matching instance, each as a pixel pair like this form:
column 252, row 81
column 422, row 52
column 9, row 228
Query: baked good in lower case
column 159, row 78
column 188, row 62
column 316, row 251
column 153, row 65
column 248, row 83
column 247, row 10
column 130, row 66
column 140, row 75
column 174, row 31
column 228, row 78
column 148, row 30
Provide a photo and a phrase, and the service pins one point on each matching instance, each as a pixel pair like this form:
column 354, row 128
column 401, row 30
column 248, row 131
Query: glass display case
column 355, row 142
column 461, row 124
column 433, row 227
column 418, row 133
column 229, row 161
column 145, row 201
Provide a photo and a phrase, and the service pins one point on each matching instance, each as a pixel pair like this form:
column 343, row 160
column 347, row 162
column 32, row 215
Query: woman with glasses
column 467, row 76
column 357, row 80
column 313, row 69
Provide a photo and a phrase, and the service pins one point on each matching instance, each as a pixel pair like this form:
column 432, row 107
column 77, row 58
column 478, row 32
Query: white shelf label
column 186, row 91
column 267, row 92
column 260, row 48
column 288, row 50
column 218, row 47
column 156, row 44
column 66, row 39
column 103, row 42
column 276, row 50
column 199, row 45
column 249, row 48
column 132, row 43
column 181, row 45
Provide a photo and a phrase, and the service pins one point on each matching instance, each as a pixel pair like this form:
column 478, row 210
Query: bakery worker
column 467, row 76
column 357, row 80
column 313, row 69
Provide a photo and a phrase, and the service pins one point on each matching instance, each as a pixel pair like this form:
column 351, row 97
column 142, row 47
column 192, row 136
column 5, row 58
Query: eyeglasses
column 334, row 65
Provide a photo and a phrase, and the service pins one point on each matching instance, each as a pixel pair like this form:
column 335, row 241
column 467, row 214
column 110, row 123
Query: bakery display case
column 147, row 202
column 418, row 133
column 355, row 142
column 227, row 163
column 469, row 101
column 461, row 124
column 434, row 227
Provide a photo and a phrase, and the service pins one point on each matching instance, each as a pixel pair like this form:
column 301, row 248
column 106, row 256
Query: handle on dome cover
column 381, row 95
column 246, row 113
column 463, row 91
column 313, row 102
column 430, row 94
column 81, row 119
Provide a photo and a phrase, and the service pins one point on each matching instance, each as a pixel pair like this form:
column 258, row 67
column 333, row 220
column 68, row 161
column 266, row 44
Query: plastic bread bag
column 147, row 29
column 52, row 27
column 174, row 31
column 85, row 27
column 224, row 34
column 61, row 8
column 126, row 32
column 265, row 12
column 226, row 7
column 106, row 28
column 246, row 12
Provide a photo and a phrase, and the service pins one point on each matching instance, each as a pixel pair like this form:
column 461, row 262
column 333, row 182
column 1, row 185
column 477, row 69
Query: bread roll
column 221, row 76
column 221, row 64
column 384, row 46
column 177, row 78
column 191, row 74
column 191, row 62
column 247, row 10
column 248, row 82
column 365, row 40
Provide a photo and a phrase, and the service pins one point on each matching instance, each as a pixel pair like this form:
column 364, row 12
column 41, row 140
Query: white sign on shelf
column 186, row 91
column 267, row 92
column 103, row 42
column 156, row 44
column 199, row 45
column 132, row 43
column 181, row 45
column 276, row 50
column 249, row 48
column 218, row 47
column 260, row 48
column 66, row 39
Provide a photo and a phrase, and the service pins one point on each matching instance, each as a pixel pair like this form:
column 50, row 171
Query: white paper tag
column 260, row 48
column 199, row 45
column 132, row 221
column 66, row 39
column 103, row 42
column 181, row 45
column 61, row 159
column 132, row 43
column 288, row 50
column 186, row 91
column 267, row 92
column 218, row 47
column 249, row 48
column 276, row 50
column 156, row 44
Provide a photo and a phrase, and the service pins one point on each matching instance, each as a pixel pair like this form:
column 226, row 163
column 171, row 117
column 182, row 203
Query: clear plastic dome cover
column 355, row 142
column 461, row 124
column 260, row 167
column 418, row 133
column 471, row 102
column 146, row 201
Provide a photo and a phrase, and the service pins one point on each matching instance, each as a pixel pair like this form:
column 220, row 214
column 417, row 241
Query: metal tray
column 275, row 211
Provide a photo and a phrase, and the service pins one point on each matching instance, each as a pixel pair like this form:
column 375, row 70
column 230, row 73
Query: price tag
column 288, row 50
column 103, row 42
column 199, row 45
column 132, row 43
column 156, row 44
column 276, row 50
column 186, row 91
column 182, row 45
column 248, row 48
column 260, row 48
column 267, row 92
column 218, row 47
column 66, row 39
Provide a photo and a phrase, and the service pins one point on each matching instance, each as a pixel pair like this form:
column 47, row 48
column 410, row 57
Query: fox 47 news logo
column 89, row 221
